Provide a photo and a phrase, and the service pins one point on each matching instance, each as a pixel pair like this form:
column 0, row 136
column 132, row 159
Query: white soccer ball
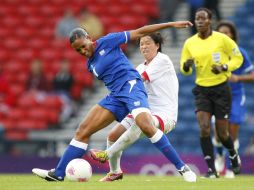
column 78, row 170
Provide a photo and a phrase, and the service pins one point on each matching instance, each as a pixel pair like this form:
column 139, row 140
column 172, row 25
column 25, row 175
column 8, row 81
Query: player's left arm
column 138, row 33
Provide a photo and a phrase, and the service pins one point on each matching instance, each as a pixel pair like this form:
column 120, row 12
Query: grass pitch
column 130, row 182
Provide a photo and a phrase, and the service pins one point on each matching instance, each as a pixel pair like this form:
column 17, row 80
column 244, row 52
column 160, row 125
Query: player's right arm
column 138, row 33
column 186, row 61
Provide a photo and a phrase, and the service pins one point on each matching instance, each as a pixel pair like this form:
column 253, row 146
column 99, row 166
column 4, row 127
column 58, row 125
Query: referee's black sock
column 228, row 143
column 207, row 148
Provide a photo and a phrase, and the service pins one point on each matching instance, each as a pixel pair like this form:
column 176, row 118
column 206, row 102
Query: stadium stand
column 28, row 29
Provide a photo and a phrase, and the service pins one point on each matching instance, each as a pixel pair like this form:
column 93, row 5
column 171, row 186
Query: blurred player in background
column 243, row 74
column 127, row 95
column 215, row 56
column 162, row 86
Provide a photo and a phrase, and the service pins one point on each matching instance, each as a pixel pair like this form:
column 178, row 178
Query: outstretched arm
column 138, row 33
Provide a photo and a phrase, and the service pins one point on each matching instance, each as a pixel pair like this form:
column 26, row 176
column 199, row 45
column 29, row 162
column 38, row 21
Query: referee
column 214, row 55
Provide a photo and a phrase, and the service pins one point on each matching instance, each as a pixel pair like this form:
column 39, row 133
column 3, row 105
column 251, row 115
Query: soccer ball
column 78, row 170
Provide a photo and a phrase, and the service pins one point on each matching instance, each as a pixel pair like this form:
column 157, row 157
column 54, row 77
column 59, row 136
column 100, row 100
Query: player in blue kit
column 127, row 95
column 245, row 73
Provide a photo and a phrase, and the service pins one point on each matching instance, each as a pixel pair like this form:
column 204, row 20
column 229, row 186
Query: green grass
column 130, row 182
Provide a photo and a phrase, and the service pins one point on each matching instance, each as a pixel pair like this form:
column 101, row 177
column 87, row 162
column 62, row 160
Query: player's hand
column 188, row 64
column 233, row 78
column 216, row 69
column 182, row 24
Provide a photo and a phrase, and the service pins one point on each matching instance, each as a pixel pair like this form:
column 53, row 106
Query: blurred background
column 46, row 89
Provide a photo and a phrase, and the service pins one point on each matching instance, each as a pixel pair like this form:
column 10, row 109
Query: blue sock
column 219, row 150
column 70, row 153
column 168, row 150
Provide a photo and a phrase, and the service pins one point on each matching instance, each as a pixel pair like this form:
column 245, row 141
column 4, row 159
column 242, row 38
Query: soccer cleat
column 219, row 163
column 48, row 175
column 187, row 174
column 99, row 155
column 211, row 174
column 229, row 174
column 235, row 163
column 112, row 177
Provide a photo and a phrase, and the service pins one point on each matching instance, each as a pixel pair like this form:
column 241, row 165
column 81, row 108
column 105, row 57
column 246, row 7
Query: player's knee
column 205, row 129
column 147, row 128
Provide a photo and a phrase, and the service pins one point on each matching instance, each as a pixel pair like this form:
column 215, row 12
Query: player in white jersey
column 161, row 84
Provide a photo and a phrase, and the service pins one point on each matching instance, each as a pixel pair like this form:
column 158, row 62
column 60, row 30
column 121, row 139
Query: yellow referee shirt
column 216, row 49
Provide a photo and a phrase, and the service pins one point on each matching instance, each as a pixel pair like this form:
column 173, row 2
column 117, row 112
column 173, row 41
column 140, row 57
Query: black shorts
column 215, row 100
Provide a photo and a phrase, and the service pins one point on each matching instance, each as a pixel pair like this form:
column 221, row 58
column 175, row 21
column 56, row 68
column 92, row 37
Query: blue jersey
column 109, row 63
column 238, row 94
column 246, row 67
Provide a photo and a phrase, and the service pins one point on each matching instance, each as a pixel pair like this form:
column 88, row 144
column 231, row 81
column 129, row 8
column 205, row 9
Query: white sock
column 114, row 160
column 236, row 145
column 126, row 139
column 157, row 136
column 78, row 144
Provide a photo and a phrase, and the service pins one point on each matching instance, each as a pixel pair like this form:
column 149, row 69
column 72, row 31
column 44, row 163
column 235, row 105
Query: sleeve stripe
column 249, row 69
column 145, row 75
column 126, row 37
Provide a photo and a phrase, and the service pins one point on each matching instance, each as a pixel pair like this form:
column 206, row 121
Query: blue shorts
column 237, row 110
column 131, row 96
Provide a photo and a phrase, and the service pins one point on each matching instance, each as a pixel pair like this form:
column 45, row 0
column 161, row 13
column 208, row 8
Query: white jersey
column 162, row 86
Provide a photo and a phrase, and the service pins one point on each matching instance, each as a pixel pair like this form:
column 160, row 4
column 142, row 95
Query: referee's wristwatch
column 224, row 67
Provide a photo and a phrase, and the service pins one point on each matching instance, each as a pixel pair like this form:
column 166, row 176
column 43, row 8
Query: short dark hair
column 157, row 38
column 77, row 33
column 208, row 11
column 231, row 27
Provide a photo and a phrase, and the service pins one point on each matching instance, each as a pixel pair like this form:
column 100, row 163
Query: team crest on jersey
column 102, row 52
column 216, row 57
column 236, row 51
column 137, row 103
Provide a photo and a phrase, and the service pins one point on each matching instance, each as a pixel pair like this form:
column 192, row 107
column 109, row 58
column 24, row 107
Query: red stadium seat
column 17, row 89
column 50, row 55
column 52, row 102
column 27, row 101
column 16, row 114
column 31, row 124
column 11, row 21
column 76, row 91
column 17, row 135
column 27, row 9
column 39, row 43
column 15, row 67
column 12, row 43
column 4, row 55
column 25, row 55
column 8, row 123
column 53, row 116
column 25, row 32
column 38, row 113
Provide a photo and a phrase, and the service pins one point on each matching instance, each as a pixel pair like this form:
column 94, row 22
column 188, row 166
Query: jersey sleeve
column 247, row 66
column 236, row 58
column 184, row 57
column 115, row 39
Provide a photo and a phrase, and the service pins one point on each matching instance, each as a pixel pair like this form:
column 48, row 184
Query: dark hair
column 77, row 33
column 157, row 38
column 208, row 11
column 231, row 27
